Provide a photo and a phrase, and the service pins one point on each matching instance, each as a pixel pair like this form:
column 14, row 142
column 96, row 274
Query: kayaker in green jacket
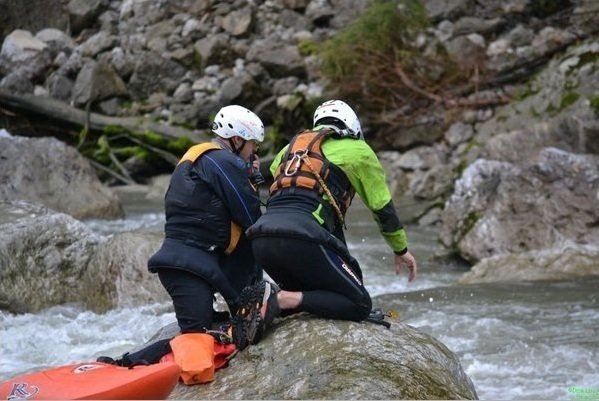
column 299, row 240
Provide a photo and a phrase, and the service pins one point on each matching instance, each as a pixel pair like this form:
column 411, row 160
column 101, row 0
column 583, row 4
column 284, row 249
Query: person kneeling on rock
column 299, row 240
column 209, row 204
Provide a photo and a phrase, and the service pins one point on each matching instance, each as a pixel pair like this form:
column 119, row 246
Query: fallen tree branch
column 111, row 172
column 169, row 157
column 120, row 166
column 62, row 113
column 411, row 85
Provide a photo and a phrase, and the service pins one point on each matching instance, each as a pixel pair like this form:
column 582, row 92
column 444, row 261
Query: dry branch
column 61, row 113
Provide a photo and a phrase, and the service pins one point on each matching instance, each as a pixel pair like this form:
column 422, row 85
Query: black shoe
column 224, row 333
column 258, row 308
column 125, row 361
column 106, row 359
column 220, row 317
column 377, row 316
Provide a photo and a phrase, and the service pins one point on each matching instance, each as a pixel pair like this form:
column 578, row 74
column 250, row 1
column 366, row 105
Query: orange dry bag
column 194, row 353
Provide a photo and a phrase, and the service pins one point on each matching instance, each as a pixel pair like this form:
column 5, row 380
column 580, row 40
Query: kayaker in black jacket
column 209, row 204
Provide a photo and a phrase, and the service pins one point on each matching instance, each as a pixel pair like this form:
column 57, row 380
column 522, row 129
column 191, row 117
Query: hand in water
column 406, row 260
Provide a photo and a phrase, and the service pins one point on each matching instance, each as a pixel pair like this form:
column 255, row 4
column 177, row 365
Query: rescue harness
column 304, row 165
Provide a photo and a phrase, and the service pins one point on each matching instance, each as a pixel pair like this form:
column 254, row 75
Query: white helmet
column 238, row 121
column 339, row 110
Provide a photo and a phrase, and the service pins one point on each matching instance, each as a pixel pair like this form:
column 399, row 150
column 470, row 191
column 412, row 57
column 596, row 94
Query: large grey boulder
column 447, row 9
column 278, row 59
column 97, row 81
column 83, row 13
column 47, row 171
column 154, row 73
column 553, row 110
column 568, row 262
column 307, row 358
column 49, row 258
column 42, row 257
column 125, row 281
column 238, row 22
column 57, row 40
column 500, row 208
column 22, row 51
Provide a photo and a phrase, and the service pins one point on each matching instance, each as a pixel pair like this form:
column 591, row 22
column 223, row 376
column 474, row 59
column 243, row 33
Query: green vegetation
column 307, row 47
column 534, row 113
column 570, row 84
column 458, row 170
column 568, row 99
column 117, row 146
column 197, row 61
column 273, row 138
column 179, row 146
column 525, row 91
column 595, row 104
column 468, row 223
column 386, row 27
column 588, row 57
column 82, row 136
column 380, row 62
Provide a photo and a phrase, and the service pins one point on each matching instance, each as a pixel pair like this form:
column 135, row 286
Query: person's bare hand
column 406, row 260
column 256, row 163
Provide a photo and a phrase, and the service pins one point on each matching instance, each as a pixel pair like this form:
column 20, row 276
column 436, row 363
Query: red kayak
column 94, row 380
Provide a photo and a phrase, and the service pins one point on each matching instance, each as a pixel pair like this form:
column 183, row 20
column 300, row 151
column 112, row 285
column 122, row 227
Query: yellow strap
column 196, row 151
column 235, row 235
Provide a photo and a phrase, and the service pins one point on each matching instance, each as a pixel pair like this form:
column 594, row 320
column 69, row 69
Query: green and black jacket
column 295, row 211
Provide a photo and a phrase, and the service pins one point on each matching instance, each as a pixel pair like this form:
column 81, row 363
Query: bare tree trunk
column 58, row 113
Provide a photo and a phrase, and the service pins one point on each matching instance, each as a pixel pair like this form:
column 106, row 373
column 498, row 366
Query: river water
column 515, row 341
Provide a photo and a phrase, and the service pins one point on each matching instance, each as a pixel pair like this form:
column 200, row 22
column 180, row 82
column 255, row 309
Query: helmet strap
column 223, row 142
column 234, row 148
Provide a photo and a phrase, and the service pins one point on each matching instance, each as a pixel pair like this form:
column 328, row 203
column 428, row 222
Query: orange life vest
column 304, row 166
column 294, row 171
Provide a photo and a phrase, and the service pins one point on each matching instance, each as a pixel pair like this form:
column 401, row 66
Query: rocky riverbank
column 513, row 188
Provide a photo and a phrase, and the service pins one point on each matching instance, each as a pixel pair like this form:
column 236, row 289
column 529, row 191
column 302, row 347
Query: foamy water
column 68, row 334
column 517, row 341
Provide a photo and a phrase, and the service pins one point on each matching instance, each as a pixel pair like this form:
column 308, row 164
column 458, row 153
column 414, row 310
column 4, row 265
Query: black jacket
column 204, row 198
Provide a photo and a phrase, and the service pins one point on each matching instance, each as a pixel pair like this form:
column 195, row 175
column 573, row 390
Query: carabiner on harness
column 297, row 157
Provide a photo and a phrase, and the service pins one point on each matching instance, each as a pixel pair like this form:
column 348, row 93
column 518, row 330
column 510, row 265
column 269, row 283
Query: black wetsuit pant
column 331, row 288
column 193, row 297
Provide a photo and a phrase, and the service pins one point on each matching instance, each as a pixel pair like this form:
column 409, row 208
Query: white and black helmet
column 332, row 110
column 238, row 121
